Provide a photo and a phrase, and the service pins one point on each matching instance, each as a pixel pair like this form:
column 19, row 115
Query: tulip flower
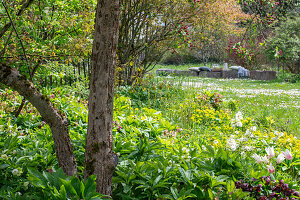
column 271, row 168
column 265, row 159
column 287, row 154
column 257, row 158
column 270, row 152
column 280, row 158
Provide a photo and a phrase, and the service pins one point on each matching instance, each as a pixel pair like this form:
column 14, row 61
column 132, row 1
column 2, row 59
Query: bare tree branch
column 7, row 42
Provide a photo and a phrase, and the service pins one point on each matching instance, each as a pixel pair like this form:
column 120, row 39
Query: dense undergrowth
column 171, row 145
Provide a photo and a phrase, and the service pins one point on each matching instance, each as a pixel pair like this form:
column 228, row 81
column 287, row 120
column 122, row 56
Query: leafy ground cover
column 174, row 141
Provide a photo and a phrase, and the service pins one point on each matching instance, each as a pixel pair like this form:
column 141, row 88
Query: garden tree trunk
column 99, row 158
column 51, row 115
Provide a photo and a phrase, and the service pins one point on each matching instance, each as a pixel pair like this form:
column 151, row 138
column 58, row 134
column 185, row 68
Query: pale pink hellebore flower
column 280, row 158
column 271, row 168
column 265, row 159
column 287, row 154
column 270, row 152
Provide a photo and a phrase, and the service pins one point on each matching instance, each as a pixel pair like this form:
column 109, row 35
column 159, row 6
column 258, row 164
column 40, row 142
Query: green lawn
column 257, row 99
column 182, row 67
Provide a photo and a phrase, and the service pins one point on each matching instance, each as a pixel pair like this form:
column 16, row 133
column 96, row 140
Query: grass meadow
column 258, row 99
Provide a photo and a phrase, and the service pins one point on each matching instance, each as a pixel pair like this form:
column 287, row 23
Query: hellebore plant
column 271, row 154
column 264, row 188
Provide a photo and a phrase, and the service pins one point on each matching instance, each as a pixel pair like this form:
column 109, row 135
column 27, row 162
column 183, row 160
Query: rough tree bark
column 99, row 157
column 51, row 115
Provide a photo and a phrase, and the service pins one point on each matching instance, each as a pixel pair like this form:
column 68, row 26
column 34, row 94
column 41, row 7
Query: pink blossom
column 287, row 154
column 270, row 152
column 271, row 168
column 280, row 158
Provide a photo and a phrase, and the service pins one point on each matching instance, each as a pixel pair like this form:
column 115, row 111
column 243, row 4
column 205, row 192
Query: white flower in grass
column 257, row 158
column 279, row 134
column 247, row 132
column 248, row 148
column 270, row 152
column 287, row 154
column 232, row 144
column 280, row 158
column 238, row 116
column 265, row 159
column 243, row 139
column 185, row 150
column 253, row 128
column 239, row 124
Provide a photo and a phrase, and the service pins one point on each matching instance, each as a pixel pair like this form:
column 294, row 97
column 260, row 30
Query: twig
column 7, row 42
column 18, row 111
column 35, row 68
column 29, row 71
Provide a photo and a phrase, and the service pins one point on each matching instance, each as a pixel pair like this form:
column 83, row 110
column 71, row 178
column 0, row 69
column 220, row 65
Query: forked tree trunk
column 98, row 153
column 51, row 115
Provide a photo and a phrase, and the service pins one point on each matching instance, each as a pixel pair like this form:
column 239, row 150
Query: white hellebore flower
column 280, row 158
column 287, row 154
column 257, row 158
column 15, row 172
column 270, row 152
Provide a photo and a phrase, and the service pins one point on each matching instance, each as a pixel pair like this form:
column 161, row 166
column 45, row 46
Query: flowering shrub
column 241, row 51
